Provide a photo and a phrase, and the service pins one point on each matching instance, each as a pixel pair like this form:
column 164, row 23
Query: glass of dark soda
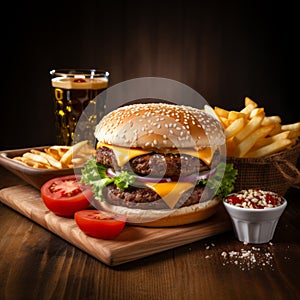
column 72, row 91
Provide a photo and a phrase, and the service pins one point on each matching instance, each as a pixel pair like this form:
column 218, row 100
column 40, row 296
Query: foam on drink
column 80, row 82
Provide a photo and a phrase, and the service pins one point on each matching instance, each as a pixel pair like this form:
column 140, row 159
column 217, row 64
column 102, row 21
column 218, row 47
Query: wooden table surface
column 36, row 264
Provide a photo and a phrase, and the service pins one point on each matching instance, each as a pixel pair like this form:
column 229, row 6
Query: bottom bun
column 165, row 218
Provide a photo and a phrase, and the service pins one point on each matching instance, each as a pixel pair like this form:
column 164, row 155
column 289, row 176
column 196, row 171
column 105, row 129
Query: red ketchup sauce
column 255, row 198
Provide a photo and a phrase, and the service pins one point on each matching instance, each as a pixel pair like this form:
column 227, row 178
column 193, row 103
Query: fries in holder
column 57, row 157
column 251, row 133
column 263, row 149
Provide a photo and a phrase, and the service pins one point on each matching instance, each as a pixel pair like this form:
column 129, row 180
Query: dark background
column 224, row 50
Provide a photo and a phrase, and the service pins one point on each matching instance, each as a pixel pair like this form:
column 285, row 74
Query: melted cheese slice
column 205, row 154
column 123, row 155
column 171, row 192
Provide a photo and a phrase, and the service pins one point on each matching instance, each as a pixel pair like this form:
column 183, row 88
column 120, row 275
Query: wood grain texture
column 133, row 243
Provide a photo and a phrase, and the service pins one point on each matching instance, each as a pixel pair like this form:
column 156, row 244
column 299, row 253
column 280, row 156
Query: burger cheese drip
column 124, row 155
column 171, row 192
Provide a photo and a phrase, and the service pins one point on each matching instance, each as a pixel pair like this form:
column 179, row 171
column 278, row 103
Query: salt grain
column 249, row 258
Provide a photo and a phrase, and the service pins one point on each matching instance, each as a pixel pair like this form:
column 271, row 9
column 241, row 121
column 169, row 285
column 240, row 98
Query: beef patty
column 154, row 164
column 146, row 198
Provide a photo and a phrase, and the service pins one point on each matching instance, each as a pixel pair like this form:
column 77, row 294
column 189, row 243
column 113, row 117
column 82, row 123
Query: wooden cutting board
column 133, row 243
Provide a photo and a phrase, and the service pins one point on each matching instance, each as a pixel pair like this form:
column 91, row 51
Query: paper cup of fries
column 264, row 150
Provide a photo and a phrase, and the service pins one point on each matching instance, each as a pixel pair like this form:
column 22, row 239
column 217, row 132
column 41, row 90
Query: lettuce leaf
column 94, row 174
column 226, row 174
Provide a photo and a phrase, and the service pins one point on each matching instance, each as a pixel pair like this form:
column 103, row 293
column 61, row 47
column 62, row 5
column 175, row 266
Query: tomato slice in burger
column 100, row 224
column 65, row 195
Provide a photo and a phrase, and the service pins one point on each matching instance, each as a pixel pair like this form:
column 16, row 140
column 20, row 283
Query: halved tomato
column 100, row 224
column 65, row 195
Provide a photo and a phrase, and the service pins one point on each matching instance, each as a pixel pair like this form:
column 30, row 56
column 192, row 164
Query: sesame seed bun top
column 159, row 126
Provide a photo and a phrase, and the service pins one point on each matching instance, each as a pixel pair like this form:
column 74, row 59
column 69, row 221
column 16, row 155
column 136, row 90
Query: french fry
column 270, row 120
column 270, row 149
column 251, row 133
column 221, row 112
column 251, row 139
column 276, row 129
column 258, row 111
column 247, row 110
column 77, row 161
column 249, row 101
column 59, row 150
column 30, row 162
column 19, row 159
column 293, row 134
column 291, row 127
column 268, row 140
column 249, row 106
column 51, row 157
column 22, row 161
column 234, row 128
column 67, row 157
column 225, row 122
column 36, row 158
column 54, row 153
column 251, row 126
column 210, row 111
column 52, row 162
column 233, row 115
column 34, row 151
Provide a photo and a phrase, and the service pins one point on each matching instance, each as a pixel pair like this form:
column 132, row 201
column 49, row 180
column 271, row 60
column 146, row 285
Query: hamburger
column 159, row 164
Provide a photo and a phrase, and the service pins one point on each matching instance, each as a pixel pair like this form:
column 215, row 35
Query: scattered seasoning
column 255, row 198
column 207, row 247
column 248, row 259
